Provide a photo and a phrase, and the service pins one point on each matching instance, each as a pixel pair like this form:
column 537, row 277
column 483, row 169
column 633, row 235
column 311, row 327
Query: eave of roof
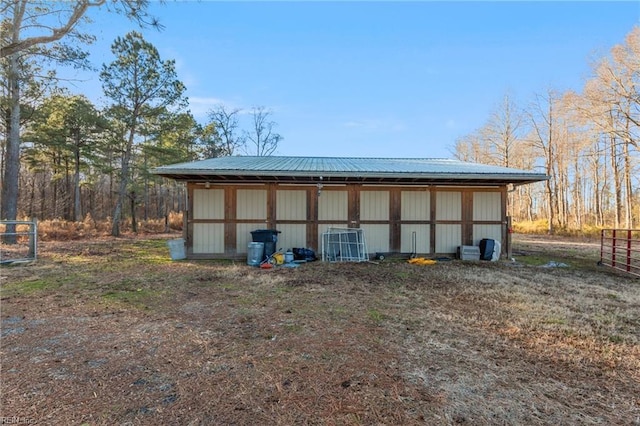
column 412, row 171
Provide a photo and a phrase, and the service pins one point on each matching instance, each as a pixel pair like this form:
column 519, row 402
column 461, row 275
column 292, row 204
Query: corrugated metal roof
column 336, row 164
column 344, row 167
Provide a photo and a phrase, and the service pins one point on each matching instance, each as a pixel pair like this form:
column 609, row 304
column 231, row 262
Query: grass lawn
column 112, row 331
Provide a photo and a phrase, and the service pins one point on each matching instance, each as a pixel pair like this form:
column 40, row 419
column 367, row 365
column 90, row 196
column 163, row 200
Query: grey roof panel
column 332, row 164
column 417, row 168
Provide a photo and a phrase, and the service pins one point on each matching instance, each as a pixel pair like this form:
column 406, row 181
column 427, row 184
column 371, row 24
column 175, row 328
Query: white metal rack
column 344, row 245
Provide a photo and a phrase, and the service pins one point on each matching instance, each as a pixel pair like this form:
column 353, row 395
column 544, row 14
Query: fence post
column 509, row 238
column 601, row 245
column 33, row 238
column 629, row 250
column 613, row 249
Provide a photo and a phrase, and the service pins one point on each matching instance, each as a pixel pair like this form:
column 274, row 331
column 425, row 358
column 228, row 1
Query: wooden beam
column 230, row 215
column 353, row 209
column 312, row 219
column 395, row 210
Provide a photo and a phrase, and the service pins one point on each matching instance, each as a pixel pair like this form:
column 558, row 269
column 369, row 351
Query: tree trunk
column 77, row 203
column 32, row 195
column 550, row 192
column 628, row 187
column 146, row 190
column 43, row 196
column 9, row 205
column 134, row 220
column 616, row 181
column 577, row 194
column 124, row 181
column 68, row 205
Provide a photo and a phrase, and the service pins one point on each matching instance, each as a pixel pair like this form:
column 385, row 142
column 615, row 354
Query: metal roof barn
column 425, row 206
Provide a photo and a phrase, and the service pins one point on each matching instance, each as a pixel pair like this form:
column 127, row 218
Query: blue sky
column 373, row 79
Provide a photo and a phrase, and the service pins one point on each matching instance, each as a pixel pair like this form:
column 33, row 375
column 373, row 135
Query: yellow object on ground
column 422, row 261
column 278, row 258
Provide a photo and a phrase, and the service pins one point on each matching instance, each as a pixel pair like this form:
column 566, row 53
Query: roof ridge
column 341, row 158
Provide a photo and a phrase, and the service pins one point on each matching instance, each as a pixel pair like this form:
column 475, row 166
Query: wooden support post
column 508, row 239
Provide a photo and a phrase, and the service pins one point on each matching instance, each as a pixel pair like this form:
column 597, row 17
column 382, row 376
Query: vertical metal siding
column 374, row 205
column 291, row 205
column 291, row 235
column 449, row 206
column 493, row 232
column 323, row 228
column 415, row 205
column 208, row 238
column 243, row 235
column 208, row 203
column 251, row 204
column 448, row 238
column 423, row 238
column 487, row 206
column 333, row 205
column 376, row 237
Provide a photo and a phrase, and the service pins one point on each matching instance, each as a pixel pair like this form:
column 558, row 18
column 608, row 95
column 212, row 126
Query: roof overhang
column 314, row 170
column 479, row 179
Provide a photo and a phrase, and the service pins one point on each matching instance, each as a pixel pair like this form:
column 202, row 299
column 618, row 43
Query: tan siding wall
column 291, row 205
column 448, row 238
column 388, row 214
column 493, row 232
column 333, row 205
column 243, row 235
column 449, row 206
column 423, row 238
column 487, row 206
column 292, row 235
column 415, row 205
column 208, row 238
column 208, row 203
column 251, row 204
column 376, row 237
column 374, row 205
column 323, row 228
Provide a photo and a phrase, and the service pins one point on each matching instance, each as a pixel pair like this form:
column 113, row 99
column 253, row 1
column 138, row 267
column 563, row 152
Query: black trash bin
column 267, row 236
column 487, row 246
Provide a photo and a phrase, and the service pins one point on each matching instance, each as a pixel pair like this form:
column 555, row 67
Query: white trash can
column 176, row 249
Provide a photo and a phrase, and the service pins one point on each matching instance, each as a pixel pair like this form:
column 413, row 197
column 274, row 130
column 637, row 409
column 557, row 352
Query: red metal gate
column 620, row 249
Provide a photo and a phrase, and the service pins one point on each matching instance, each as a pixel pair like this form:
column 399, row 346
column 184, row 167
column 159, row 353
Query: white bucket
column 255, row 253
column 288, row 257
column 176, row 249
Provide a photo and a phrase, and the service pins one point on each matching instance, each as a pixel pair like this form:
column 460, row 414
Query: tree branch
column 56, row 33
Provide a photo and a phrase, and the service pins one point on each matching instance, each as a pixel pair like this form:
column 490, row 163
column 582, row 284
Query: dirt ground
column 112, row 332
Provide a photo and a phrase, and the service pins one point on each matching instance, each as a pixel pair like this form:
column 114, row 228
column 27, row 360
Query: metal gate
column 18, row 241
column 620, row 249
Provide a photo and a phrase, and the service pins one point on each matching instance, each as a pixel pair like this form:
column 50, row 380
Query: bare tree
column 261, row 139
column 543, row 120
column 503, row 131
column 612, row 101
column 470, row 148
column 227, row 140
